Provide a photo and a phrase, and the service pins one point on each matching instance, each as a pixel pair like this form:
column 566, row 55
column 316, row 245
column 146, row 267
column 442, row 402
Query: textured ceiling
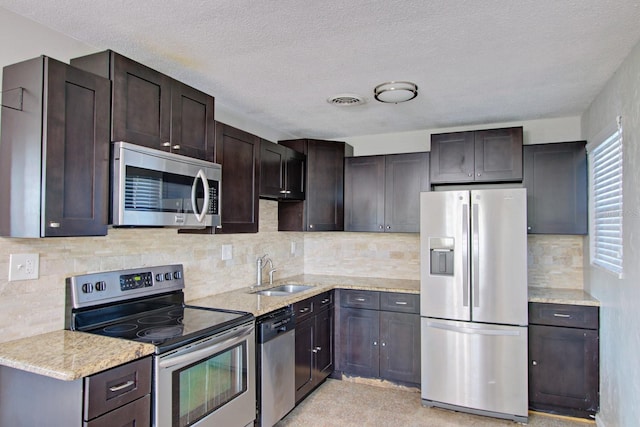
column 276, row 62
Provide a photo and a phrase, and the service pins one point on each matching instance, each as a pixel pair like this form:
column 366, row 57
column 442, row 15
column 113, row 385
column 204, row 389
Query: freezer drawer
column 476, row 368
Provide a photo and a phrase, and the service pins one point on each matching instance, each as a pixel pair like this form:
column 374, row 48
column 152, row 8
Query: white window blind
column 605, row 164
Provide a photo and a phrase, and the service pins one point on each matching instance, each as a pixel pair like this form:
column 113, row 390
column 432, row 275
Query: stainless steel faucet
column 260, row 264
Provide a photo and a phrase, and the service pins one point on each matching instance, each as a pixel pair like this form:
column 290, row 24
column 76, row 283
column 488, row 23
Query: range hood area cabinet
column 492, row 155
column 54, row 151
column 282, row 174
column 382, row 193
column 152, row 109
column 555, row 176
column 323, row 207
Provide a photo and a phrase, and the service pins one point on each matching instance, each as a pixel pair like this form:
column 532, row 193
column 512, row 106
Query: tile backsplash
column 34, row 306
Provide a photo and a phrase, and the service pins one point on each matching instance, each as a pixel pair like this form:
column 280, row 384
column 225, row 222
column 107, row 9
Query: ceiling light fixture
column 395, row 92
column 346, row 100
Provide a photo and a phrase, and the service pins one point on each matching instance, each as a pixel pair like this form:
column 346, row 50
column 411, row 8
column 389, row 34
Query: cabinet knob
column 166, row 144
column 54, row 224
column 529, row 228
column 375, row 343
column 310, row 225
column 176, row 147
column 388, row 227
column 479, row 174
column 381, row 227
column 384, row 344
column 534, row 363
column 470, row 174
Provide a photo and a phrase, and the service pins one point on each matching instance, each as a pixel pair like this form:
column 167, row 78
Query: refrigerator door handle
column 475, row 254
column 465, row 255
column 473, row 331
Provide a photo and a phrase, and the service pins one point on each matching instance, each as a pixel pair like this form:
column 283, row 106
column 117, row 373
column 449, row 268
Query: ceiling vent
column 346, row 99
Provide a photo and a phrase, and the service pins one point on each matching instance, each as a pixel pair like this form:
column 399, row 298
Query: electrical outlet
column 24, row 266
column 293, row 248
column 227, row 252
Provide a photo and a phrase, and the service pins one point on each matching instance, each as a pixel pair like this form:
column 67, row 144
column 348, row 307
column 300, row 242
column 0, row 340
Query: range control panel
column 99, row 288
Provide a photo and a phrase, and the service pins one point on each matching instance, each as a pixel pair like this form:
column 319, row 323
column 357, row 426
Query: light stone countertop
column 244, row 300
column 70, row 355
column 562, row 296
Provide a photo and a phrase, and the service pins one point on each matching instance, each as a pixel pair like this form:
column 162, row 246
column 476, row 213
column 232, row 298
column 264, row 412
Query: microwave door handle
column 205, row 183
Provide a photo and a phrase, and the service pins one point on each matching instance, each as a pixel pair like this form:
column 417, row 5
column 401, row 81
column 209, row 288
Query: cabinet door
column 295, row 170
column 141, row 104
column 364, row 182
column 359, row 342
column 555, row 176
column 400, row 347
column 192, row 122
column 304, row 357
column 325, row 186
column 239, row 154
column 563, row 370
column 77, row 152
column 406, row 176
column 272, row 161
column 452, row 157
column 323, row 344
column 498, row 154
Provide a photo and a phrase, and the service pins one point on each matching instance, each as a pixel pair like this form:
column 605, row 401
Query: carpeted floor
column 347, row 404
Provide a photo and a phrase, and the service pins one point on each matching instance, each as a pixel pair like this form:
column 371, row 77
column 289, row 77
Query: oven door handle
column 193, row 355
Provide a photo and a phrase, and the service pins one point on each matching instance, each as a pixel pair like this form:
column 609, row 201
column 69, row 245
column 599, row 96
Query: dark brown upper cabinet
column 555, row 176
column 152, row 109
column 323, row 207
column 281, row 172
column 382, row 193
column 239, row 154
column 492, row 155
column 54, row 152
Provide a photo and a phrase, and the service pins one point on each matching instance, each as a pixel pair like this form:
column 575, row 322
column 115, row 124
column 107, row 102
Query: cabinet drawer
column 110, row 389
column 398, row 301
column 572, row 316
column 303, row 309
column 136, row 413
column 323, row 300
column 360, row 299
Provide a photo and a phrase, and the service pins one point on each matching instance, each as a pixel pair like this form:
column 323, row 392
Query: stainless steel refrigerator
column 473, row 301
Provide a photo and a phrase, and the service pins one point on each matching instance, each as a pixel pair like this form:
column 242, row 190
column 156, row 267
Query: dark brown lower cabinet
column 314, row 342
column 564, row 360
column 375, row 342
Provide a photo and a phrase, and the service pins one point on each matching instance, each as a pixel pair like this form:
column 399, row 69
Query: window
column 606, row 209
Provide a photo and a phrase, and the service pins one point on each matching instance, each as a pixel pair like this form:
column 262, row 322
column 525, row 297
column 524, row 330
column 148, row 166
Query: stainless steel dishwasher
column 276, row 366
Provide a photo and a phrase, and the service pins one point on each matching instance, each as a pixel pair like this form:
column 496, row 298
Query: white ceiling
column 277, row 61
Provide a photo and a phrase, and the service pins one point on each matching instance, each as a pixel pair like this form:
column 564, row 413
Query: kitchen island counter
column 70, row 355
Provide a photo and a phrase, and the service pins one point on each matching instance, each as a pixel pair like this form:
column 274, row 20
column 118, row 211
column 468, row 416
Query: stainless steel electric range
column 204, row 361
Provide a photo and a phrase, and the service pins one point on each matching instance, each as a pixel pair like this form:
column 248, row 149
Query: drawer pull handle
column 401, row 302
column 324, row 301
column 360, row 299
column 566, row 316
column 121, row 386
column 304, row 310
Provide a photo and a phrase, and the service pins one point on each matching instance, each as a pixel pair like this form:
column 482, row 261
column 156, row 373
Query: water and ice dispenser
column 441, row 251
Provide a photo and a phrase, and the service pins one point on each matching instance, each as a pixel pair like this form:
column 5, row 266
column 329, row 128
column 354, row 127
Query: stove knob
column 159, row 277
column 177, row 275
column 101, row 286
column 167, row 276
column 87, row 288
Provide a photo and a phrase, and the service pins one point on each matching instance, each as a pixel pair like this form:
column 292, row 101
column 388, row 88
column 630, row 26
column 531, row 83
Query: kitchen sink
column 283, row 290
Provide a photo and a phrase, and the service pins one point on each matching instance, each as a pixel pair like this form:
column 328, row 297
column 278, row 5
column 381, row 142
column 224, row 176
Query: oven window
column 202, row 387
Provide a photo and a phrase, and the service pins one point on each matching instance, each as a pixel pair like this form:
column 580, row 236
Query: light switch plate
column 227, row 252
column 24, row 266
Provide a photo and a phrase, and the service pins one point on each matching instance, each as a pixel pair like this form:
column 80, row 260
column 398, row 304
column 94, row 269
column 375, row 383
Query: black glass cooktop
column 166, row 325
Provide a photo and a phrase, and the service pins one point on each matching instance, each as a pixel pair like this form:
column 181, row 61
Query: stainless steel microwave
column 155, row 188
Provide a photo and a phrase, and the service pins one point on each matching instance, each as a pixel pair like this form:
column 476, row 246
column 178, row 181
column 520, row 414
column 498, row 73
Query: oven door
column 208, row 383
